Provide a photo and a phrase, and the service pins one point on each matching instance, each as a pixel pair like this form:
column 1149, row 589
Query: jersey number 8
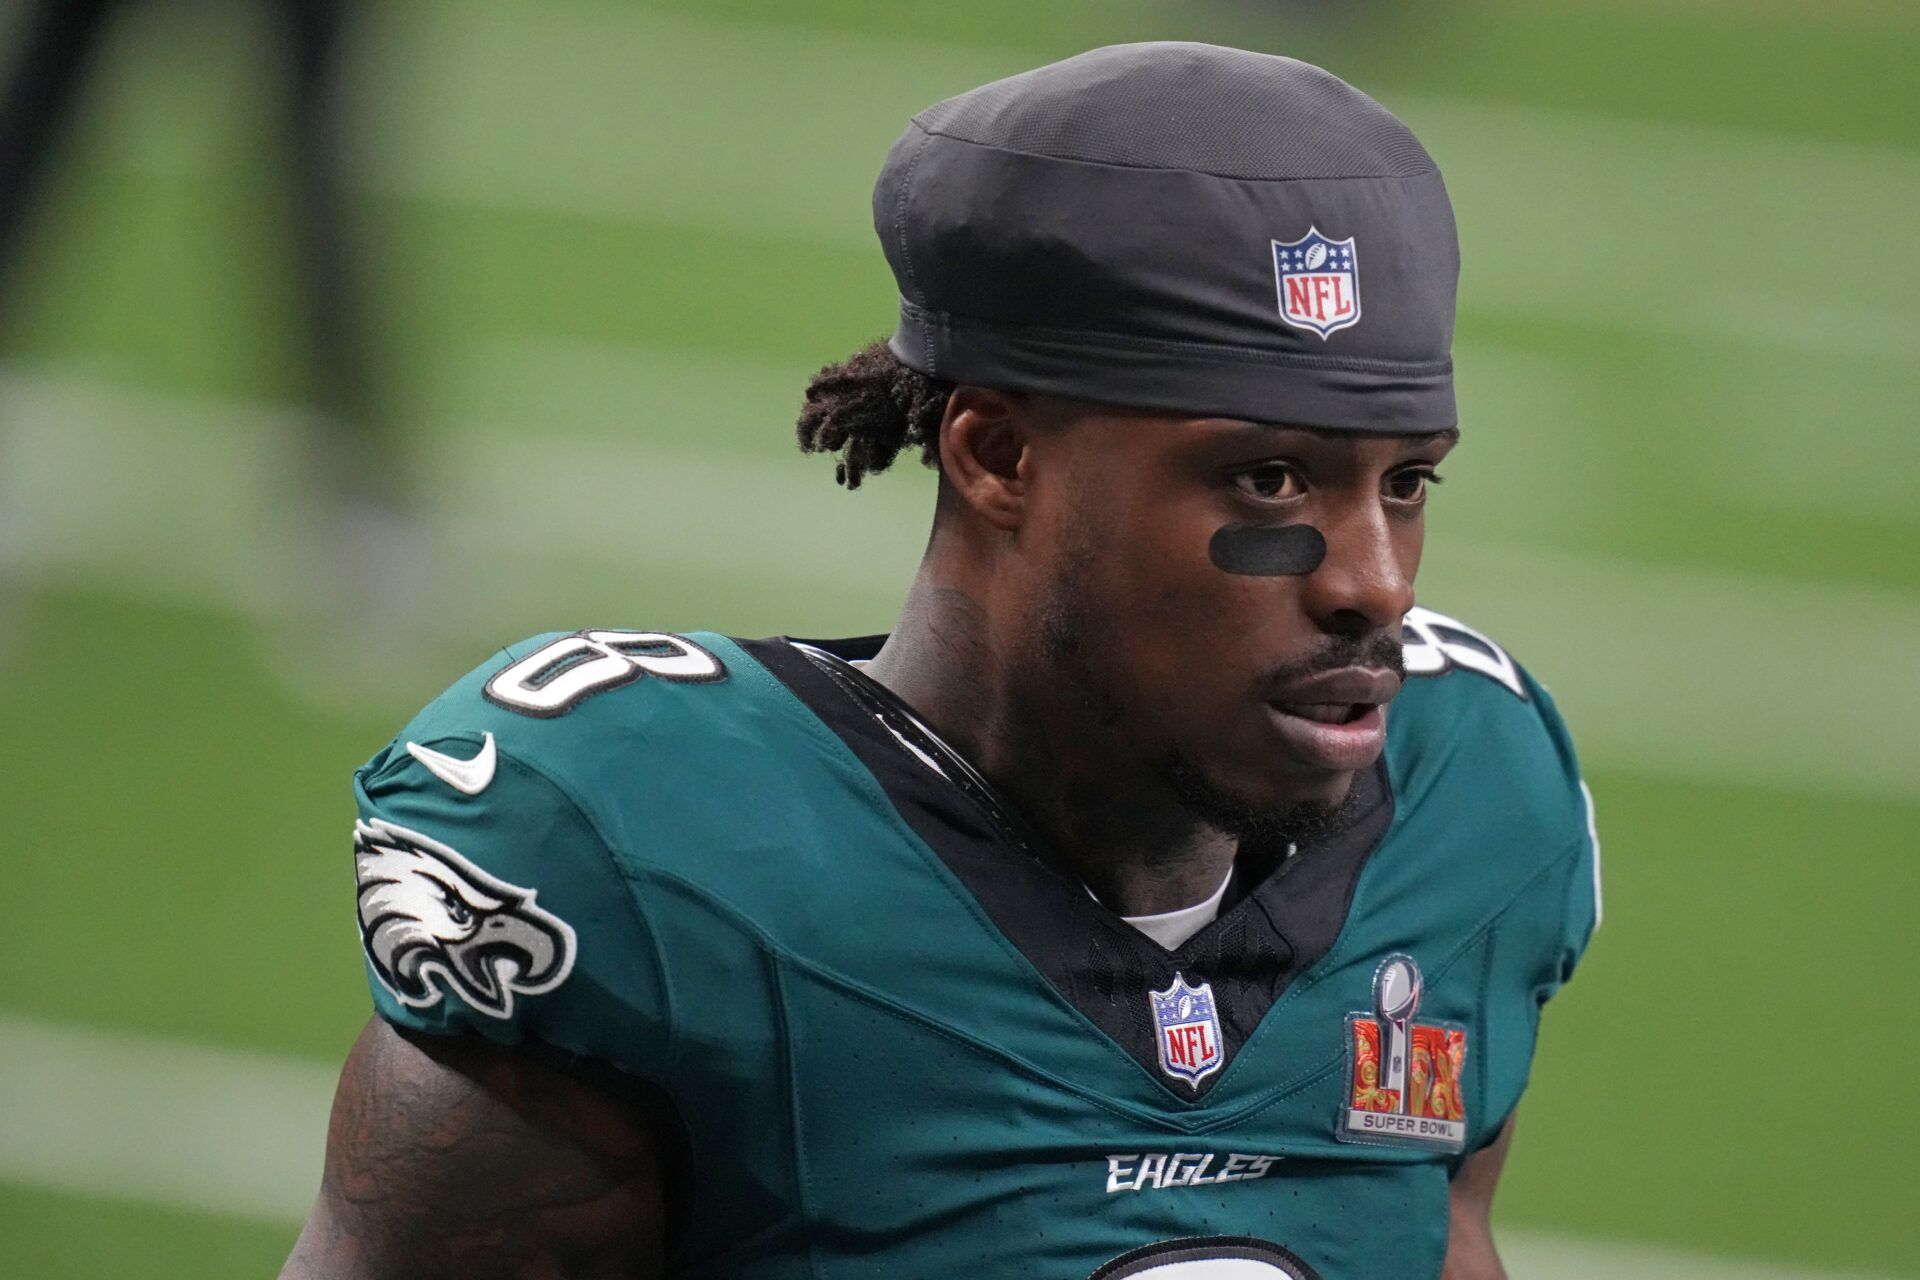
column 556, row 677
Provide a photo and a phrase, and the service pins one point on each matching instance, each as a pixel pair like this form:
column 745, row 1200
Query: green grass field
column 610, row 240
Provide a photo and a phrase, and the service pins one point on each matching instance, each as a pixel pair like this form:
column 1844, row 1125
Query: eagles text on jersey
column 902, row 1045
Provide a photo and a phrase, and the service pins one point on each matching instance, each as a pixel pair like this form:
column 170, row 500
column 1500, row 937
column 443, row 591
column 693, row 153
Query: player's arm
column 451, row 1157
column 1470, row 1251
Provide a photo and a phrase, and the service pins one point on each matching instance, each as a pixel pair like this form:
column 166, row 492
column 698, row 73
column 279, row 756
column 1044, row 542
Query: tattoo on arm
column 455, row 1158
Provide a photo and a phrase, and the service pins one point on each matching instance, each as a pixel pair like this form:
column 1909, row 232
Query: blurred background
column 341, row 344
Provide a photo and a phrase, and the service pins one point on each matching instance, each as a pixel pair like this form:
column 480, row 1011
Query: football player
column 1166, row 895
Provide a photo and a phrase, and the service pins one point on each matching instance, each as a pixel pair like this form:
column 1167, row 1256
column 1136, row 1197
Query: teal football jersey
column 902, row 1045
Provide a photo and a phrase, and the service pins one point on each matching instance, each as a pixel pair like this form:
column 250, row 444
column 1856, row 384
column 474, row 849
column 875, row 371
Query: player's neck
column 1105, row 817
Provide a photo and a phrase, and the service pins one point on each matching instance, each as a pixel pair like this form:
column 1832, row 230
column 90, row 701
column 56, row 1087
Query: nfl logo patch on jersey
column 1188, row 1030
column 1406, row 1079
column 1319, row 282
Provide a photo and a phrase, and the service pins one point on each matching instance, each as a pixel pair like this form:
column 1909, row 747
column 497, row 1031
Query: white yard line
column 240, row 1133
column 1679, row 672
column 1538, row 1256
column 139, row 1118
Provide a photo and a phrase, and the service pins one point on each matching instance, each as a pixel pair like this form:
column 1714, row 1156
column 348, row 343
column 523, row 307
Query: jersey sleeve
column 1580, row 897
column 491, row 905
column 1540, row 938
column 1489, row 767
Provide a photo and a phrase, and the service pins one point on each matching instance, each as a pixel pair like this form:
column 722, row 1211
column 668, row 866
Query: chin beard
column 1065, row 619
column 1258, row 827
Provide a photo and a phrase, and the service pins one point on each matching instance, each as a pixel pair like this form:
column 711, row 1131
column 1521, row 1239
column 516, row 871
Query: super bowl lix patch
column 1406, row 1078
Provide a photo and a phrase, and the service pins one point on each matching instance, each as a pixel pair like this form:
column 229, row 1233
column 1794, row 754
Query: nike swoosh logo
column 467, row 776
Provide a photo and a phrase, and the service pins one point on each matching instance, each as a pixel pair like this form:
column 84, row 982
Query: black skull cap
column 1183, row 227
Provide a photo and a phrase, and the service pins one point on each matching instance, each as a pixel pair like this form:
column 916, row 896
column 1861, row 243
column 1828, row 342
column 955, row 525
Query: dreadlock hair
column 867, row 409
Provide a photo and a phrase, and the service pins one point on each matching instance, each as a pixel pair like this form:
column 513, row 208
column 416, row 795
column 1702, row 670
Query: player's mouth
column 1335, row 719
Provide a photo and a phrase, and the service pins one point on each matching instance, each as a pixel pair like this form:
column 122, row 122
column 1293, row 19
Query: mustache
column 1381, row 650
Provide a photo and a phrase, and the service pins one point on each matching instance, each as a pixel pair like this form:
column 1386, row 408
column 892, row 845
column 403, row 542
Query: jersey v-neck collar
column 1280, row 917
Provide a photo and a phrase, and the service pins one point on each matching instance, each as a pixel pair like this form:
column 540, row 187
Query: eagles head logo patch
column 435, row 925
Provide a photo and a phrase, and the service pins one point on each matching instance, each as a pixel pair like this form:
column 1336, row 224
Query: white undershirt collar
column 1171, row 928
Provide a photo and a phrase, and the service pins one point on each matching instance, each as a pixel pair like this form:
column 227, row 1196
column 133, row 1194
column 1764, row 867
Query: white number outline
column 559, row 675
column 1193, row 1258
column 1429, row 651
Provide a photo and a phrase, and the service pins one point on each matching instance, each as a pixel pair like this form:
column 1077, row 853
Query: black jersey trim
column 1288, row 913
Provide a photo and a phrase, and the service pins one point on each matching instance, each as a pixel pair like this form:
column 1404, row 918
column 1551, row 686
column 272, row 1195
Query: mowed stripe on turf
column 241, row 1134
column 1685, row 235
column 616, row 110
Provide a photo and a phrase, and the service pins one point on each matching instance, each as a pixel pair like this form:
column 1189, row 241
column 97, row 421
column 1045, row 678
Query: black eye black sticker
column 1266, row 550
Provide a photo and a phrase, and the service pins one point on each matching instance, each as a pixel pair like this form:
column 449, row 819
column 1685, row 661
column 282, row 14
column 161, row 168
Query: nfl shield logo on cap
column 1187, row 1029
column 1319, row 282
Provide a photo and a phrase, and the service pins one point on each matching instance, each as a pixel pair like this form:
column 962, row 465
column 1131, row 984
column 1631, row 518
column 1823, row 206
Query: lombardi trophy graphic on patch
column 1319, row 282
column 1396, row 994
column 1406, row 1080
column 1187, row 1029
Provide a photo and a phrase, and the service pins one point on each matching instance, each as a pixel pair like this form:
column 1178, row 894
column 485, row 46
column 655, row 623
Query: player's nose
column 1365, row 583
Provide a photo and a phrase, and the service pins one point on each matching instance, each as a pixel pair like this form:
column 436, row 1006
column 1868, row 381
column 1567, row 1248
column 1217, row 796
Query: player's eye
column 1270, row 482
column 1409, row 485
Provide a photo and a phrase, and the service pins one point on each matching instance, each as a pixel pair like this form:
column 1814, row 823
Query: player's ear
column 986, row 452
